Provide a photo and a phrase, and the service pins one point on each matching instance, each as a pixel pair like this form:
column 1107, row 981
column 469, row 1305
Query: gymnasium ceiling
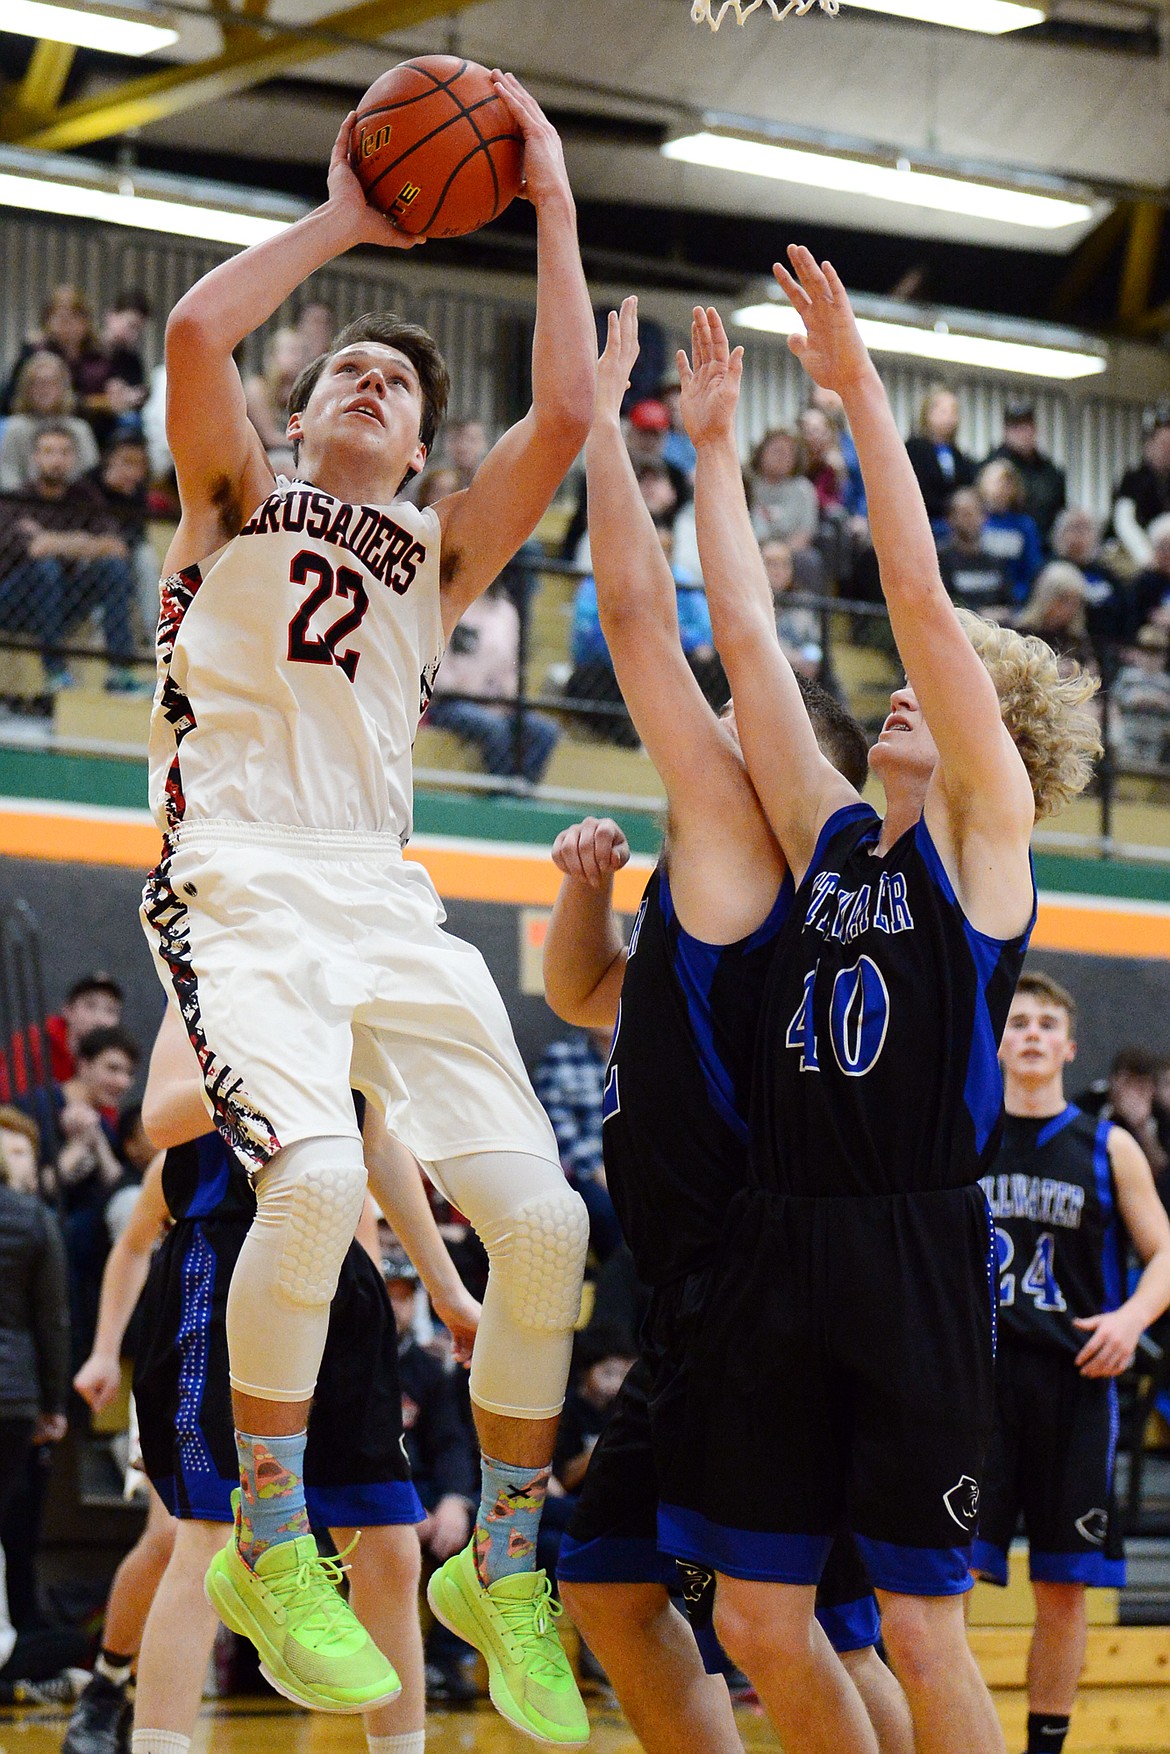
column 1085, row 95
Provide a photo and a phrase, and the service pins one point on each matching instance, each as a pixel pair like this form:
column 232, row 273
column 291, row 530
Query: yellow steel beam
column 1089, row 259
column 39, row 92
column 1153, row 322
column 1139, row 263
column 249, row 58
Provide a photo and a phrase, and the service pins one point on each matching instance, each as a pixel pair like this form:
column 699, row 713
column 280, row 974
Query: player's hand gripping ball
column 436, row 148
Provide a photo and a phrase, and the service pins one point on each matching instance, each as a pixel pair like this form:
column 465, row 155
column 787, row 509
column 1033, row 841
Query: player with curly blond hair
column 844, row 1367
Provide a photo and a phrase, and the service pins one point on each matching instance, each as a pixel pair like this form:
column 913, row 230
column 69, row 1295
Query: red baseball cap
column 650, row 416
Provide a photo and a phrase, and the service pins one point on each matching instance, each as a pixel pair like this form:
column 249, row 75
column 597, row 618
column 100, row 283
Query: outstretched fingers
column 809, row 272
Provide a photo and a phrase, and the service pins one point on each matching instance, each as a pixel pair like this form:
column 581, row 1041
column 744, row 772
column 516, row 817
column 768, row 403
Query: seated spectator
column 824, row 464
column 974, row 578
column 1043, row 481
column 1055, row 612
column 1143, row 494
column 648, row 429
column 266, row 394
column 1009, row 532
column 799, row 628
column 1141, row 700
column 113, row 405
column 482, row 660
column 43, row 395
column 463, row 445
column 121, row 479
column 1129, row 1098
column 938, row 462
column 602, row 1358
column 20, row 1150
column 316, row 326
column 1076, row 536
column 93, row 1002
column 1149, row 592
column 444, row 1465
column 569, row 1084
column 66, row 329
column 783, row 500
column 62, row 559
column 435, row 483
column 852, row 485
column 677, row 450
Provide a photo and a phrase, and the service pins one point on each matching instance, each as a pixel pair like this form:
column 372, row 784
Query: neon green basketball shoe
column 313, row 1648
column 512, row 1623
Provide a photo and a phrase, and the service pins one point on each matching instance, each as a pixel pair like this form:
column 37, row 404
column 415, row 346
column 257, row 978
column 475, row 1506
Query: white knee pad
column 536, row 1233
column 308, row 1201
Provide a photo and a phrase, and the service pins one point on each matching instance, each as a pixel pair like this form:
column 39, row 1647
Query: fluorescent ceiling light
column 991, row 353
column 881, row 182
column 89, row 27
column 992, row 17
column 77, row 189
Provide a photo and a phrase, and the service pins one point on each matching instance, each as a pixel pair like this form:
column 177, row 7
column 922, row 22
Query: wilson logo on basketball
column 372, row 143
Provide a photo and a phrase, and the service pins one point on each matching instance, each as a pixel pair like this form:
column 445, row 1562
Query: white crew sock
column 159, row 1742
column 413, row 1742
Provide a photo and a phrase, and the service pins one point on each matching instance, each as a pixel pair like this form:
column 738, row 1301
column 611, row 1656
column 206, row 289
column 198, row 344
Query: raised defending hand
column 591, row 851
column 831, row 349
column 617, row 361
column 346, row 198
column 710, row 385
column 545, row 176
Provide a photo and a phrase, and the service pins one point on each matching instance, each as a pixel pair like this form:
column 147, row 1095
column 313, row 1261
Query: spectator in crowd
column 799, row 628
column 824, row 463
column 938, row 462
column 463, row 447
column 1056, row 612
column 94, row 1002
column 1149, row 592
column 20, row 1150
column 435, row 484
column 852, row 486
column 1128, row 1098
column 783, row 499
column 1076, row 536
column 62, row 558
column 34, row 1340
column 89, row 1167
column 677, row 449
column 266, row 393
column 66, row 329
column 482, row 660
column 1044, row 483
column 121, row 479
column 569, row 1083
column 648, row 429
column 113, row 404
column 1009, row 532
column 602, row 1361
column 43, row 395
column 1143, row 494
column 444, row 1466
column 1140, row 699
column 316, row 326
column 974, row 578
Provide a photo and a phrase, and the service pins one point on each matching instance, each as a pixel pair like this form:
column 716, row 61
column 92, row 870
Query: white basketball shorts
column 306, row 963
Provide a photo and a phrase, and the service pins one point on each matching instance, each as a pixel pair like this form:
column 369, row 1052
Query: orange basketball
column 435, row 149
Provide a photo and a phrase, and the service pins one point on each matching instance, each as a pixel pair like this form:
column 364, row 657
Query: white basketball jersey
column 294, row 665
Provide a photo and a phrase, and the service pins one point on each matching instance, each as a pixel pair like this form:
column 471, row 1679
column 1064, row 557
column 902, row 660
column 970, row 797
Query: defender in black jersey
column 1067, row 1193
column 843, row 1373
column 676, row 1128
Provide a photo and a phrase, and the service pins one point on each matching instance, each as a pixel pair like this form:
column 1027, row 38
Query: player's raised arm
column 220, row 463
column 123, row 1278
column 485, row 525
column 985, row 790
column 584, row 956
column 1112, row 1338
column 798, row 788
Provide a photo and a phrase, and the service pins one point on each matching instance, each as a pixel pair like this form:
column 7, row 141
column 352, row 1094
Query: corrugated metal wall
column 1097, row 439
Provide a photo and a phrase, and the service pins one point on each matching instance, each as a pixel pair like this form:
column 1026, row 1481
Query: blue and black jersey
column 1061, row 1247
column 203, row 1179
column 878, row 1068
column 677, row 1090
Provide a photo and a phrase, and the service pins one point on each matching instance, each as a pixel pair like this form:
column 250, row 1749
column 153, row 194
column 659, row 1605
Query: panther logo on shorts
column 698, row 1590
column 962, row 1502
column 1094, row 1526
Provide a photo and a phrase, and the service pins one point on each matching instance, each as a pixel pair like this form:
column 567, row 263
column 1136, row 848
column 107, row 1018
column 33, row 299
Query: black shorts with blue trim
column 1050, row 1465
column 843, row 1377
column 612, row 1536
column 356, row 1471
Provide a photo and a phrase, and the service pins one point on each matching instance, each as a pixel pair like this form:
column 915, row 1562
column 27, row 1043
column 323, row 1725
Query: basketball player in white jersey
column 302, row 624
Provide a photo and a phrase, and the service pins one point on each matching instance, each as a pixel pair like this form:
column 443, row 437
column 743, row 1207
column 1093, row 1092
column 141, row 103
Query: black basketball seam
column 402, row 103
column 442, row 127
column 455, row 170
column 491, row 161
